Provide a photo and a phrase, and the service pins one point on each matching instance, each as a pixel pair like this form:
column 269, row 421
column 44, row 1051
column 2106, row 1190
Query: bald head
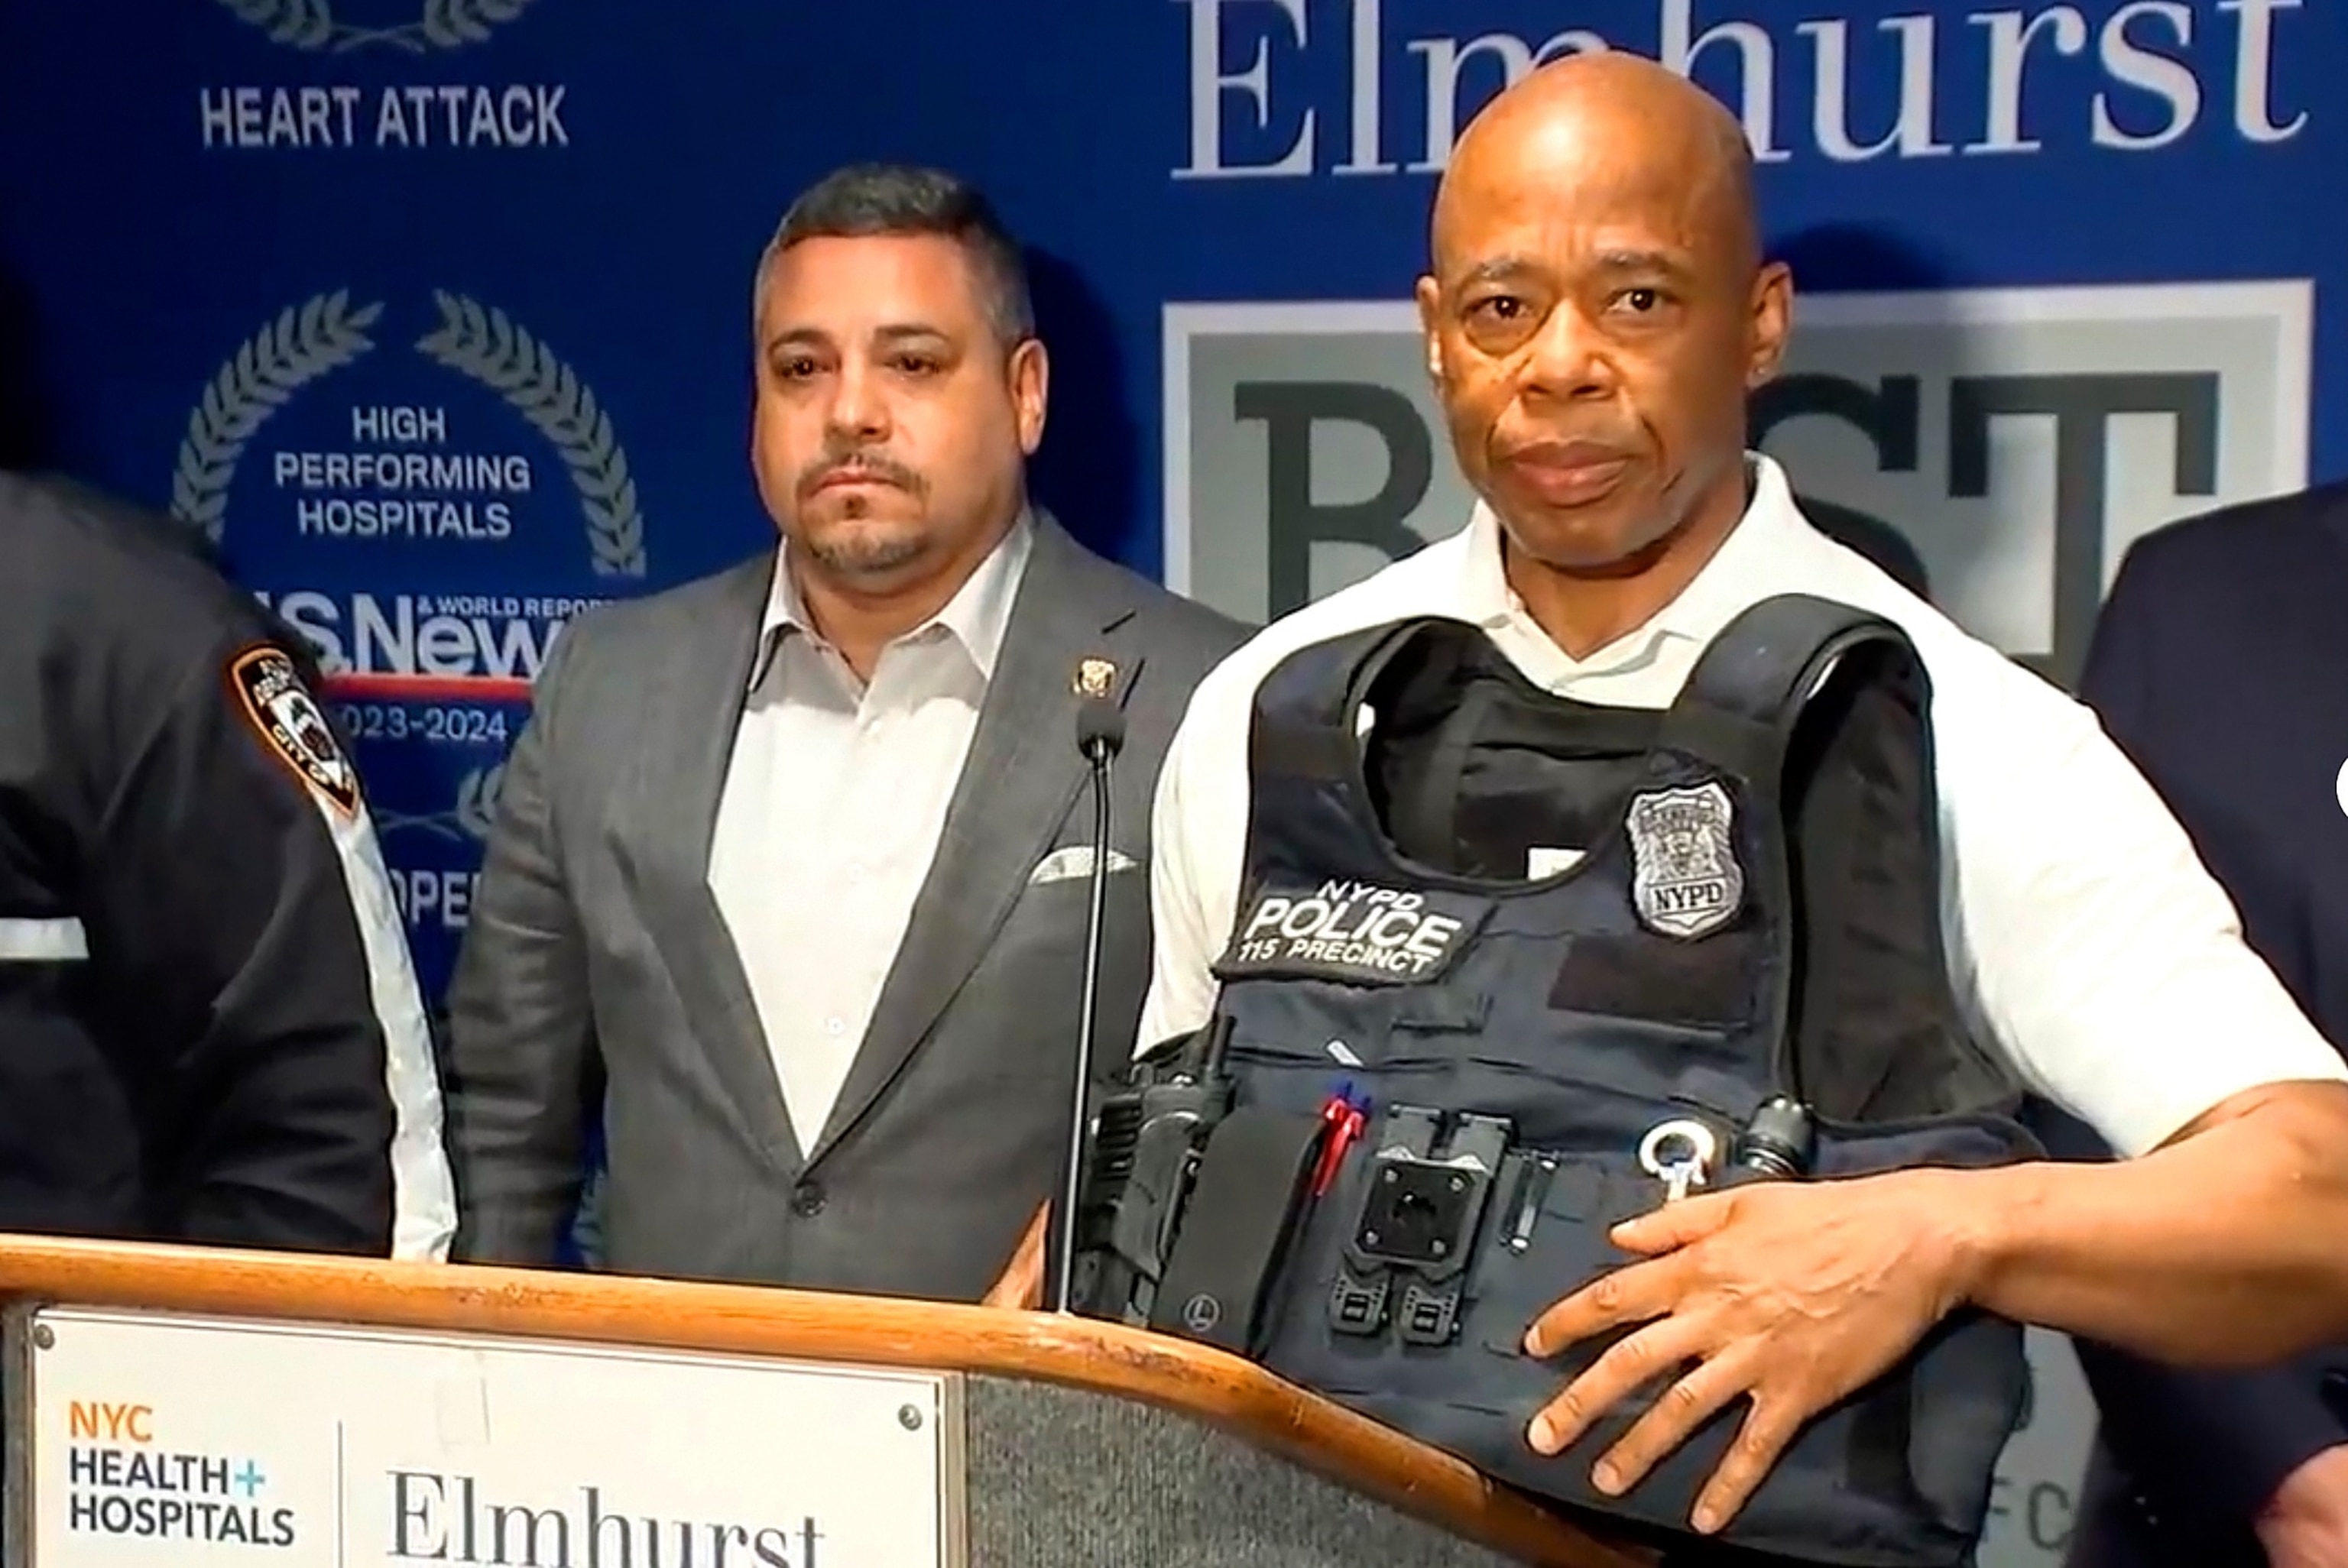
column 1598, row 310
column 1612, row 119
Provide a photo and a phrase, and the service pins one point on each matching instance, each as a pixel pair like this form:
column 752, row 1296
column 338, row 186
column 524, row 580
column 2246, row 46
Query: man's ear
column 1429, row 295
column 1031, row 387
column 1773, row 322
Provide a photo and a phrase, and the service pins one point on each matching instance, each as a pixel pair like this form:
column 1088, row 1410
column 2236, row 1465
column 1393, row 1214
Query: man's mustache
column 873, row 466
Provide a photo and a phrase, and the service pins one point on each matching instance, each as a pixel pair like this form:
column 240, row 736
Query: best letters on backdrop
column 437, row 311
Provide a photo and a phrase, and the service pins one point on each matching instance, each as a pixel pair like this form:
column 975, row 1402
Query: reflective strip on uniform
column 37, row 941
column 424, row 1190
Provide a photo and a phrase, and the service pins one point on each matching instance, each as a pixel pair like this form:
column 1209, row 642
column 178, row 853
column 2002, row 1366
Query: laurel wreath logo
column 477, row 800
column 486, row 345
column 306, row 340
column 311, row 24
column 325, row 333
column 472, row 814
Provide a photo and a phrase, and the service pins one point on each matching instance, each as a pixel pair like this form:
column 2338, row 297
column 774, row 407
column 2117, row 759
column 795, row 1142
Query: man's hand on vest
column 1795, row 1294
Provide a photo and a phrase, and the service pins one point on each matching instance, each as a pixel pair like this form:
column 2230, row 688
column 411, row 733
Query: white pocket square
column 1074, row 860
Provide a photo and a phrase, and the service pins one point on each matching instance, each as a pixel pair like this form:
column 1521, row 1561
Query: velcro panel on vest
column 1352, row 932
column 1713, row 984
column 1245, row 1205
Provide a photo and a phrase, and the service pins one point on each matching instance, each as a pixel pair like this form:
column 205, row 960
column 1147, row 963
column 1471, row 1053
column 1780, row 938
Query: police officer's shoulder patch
column 1358, row 933
column 291, row 725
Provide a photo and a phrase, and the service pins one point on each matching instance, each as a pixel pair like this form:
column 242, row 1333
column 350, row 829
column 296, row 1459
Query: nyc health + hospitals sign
column 157, row 1440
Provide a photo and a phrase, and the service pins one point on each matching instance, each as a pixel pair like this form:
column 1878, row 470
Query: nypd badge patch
column 1686, row 880
column 291, row 725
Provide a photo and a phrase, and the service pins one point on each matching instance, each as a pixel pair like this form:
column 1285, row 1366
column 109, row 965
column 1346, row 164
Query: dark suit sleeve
column 238, row 907
column 2223, row 1440
column 524, row 1071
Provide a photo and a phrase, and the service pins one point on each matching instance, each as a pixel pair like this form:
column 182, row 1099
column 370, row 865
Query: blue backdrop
column 251, row 237
column 435, row 312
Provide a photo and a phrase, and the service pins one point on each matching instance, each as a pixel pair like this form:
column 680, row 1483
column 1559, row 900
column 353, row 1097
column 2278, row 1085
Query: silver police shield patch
column 1686, row 880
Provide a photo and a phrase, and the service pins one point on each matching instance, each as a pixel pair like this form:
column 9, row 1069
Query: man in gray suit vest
column 790, row 878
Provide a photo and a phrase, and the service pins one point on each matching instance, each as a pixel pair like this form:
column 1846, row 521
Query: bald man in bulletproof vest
column 1598, row 310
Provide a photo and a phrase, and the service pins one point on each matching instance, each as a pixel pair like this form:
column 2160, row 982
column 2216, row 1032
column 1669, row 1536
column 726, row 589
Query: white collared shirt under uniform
column 831, row 812
column 2086, row 941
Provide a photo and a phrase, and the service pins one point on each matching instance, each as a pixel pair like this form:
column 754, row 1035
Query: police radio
column 1144, row 1160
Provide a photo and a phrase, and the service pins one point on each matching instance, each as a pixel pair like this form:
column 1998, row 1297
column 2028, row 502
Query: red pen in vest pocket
column 1344, row 1123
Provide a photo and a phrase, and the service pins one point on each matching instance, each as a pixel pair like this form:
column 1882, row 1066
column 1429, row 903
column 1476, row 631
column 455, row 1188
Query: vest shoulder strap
column 1749, row 687
column 1303, row 724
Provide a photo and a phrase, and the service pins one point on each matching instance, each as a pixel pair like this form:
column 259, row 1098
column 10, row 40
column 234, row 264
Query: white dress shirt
column 834, row 800
column 2085, row 939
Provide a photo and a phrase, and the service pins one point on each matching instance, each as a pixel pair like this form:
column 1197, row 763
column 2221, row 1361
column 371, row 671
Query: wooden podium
column 1026, row 1439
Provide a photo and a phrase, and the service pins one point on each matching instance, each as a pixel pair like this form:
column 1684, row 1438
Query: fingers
column 1653, row 1352
column 1021, row 1285
column 1768, row 1426
column 1675, row 1224
column 1672, row 1418
column 1010, row 1290
column 1625, row 1296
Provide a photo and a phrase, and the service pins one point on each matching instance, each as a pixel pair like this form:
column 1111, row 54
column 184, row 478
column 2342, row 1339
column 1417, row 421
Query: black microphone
column 1100, row 736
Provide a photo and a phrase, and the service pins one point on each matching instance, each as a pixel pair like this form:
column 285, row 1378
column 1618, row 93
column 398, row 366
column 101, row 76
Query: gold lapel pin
column 1095, row 678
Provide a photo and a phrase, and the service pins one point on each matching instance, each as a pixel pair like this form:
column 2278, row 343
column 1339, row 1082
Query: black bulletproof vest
column 1755, row 913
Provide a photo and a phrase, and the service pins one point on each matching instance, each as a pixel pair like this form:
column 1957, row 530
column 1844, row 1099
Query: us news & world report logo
column 402, row 116
column 2019, row 440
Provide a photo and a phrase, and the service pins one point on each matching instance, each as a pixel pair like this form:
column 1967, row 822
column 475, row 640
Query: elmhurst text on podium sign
column 153, row 1439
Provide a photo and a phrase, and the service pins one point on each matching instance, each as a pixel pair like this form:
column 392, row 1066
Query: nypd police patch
column 1686, row 880
column 1359, row 933
column 288, row 720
